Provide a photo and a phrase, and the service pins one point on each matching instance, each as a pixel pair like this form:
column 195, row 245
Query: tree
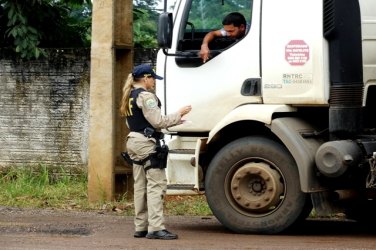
column 144, row 29
column 151, row 4
column 145, row 23
column 29, row 26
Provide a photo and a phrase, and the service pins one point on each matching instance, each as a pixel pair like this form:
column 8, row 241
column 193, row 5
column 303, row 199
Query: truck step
column 182, row 151
column 181, row 186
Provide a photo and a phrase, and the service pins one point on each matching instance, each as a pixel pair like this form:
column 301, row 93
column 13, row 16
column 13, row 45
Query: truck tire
column 252, row 186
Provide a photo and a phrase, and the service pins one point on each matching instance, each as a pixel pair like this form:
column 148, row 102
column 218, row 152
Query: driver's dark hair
column 234, row 18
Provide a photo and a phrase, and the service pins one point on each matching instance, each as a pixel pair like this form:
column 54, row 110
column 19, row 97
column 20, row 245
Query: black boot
column 140, row 234
column 162, row 235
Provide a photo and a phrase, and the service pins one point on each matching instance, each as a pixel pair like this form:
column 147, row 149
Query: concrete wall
column 44, row 109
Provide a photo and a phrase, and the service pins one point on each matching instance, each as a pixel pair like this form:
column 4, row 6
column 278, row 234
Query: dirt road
column 51, row 229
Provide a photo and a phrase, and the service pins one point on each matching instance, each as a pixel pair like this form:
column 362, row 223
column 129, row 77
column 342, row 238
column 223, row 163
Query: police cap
column 144, row 70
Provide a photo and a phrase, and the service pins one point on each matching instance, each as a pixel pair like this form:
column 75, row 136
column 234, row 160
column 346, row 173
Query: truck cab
column 282, row 118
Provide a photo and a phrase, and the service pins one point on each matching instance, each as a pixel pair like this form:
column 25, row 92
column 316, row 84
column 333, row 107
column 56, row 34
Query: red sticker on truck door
column 297, row 52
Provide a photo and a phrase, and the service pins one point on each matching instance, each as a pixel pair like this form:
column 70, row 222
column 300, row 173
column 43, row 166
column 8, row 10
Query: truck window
column 205, row 16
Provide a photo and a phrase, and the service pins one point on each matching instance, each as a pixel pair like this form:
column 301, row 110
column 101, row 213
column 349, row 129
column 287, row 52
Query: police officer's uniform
column 150, row 185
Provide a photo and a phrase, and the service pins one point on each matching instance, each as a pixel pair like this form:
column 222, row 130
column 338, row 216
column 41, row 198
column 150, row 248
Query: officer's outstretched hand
column 185, row 110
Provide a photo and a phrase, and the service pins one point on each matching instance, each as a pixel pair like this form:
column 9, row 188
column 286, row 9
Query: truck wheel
column 252, row 186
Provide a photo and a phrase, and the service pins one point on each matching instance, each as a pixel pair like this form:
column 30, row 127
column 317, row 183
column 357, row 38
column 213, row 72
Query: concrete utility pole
column 111, row 62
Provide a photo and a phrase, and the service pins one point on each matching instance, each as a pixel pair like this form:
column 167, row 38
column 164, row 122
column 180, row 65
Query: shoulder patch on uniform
column 151, row 103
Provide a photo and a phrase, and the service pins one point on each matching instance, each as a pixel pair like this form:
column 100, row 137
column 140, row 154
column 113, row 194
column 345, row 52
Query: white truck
column 283, row 119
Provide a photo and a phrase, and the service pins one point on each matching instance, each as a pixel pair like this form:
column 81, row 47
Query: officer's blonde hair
column 124, row 104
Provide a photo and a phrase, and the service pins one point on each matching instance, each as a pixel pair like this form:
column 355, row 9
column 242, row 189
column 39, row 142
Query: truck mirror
column 165, row 26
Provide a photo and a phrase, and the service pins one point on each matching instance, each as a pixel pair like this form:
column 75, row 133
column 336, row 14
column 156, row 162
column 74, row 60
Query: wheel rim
column 256, row 188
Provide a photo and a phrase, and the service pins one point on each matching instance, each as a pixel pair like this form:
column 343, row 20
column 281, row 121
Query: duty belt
column 150, row 132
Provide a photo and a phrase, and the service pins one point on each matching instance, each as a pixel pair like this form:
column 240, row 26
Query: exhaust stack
column 342, row 29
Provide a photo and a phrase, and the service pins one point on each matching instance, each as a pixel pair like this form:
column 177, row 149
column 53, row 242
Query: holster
column 128, row 159
column 159, row 158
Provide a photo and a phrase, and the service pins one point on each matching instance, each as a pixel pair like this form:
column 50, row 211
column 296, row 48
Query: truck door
column 229, row 79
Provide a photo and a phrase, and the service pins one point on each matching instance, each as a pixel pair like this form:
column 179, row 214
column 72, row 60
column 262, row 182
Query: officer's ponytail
column 125, row 99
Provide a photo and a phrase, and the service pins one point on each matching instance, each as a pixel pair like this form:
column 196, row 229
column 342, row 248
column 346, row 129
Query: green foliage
column 146, row 4
column 25, row 37
column 39, row 187
column 145, row 19
column 144, row 28
column 187, row 205
column 28, row 26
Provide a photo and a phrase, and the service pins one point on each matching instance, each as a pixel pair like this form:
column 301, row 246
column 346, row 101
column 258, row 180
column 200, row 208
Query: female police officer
column 141, row 107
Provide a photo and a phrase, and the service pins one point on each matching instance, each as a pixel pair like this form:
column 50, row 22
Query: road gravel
column 64, row 229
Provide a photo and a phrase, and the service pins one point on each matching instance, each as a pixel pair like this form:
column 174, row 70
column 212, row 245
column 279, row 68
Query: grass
column 43, row 188
column 187, row 205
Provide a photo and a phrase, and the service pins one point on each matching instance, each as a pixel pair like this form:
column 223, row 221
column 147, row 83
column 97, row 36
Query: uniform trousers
column 149, row 186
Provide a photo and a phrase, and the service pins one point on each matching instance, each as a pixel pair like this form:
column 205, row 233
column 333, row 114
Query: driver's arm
column 205, row 52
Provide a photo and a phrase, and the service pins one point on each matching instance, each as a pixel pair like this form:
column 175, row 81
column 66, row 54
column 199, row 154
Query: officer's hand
column 185, row 110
